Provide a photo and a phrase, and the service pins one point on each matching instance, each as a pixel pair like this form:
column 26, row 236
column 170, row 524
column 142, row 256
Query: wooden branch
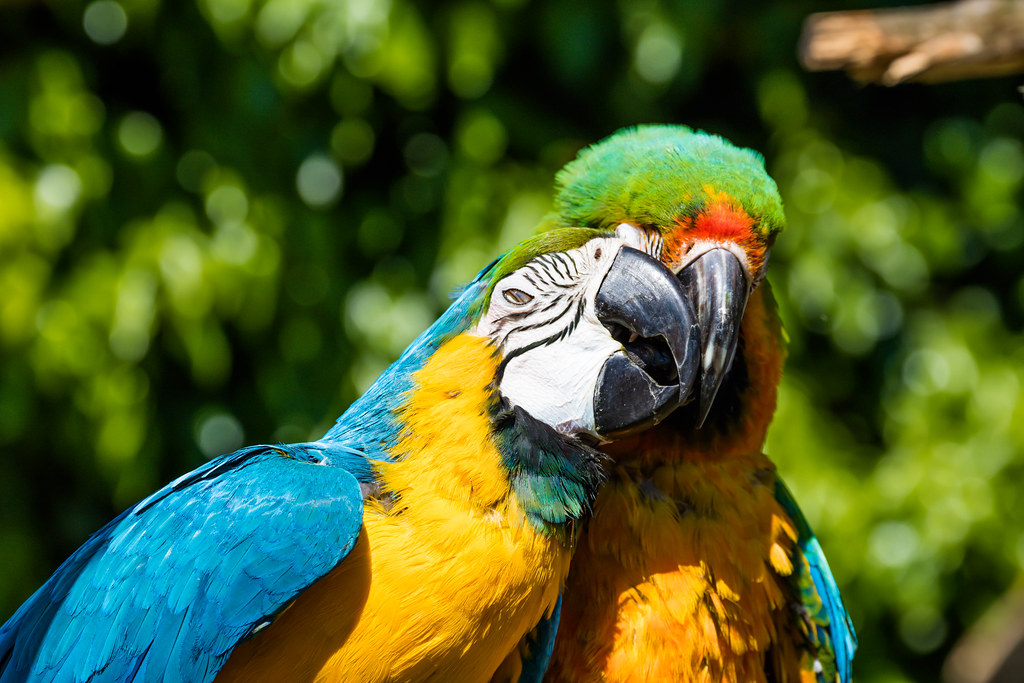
column 928, row 43
column 992, row 650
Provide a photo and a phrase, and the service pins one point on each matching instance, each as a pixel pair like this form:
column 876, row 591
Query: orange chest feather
column 680, row 577
column 445, row 584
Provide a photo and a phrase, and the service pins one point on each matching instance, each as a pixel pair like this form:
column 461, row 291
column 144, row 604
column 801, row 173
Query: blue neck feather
column 370, row 424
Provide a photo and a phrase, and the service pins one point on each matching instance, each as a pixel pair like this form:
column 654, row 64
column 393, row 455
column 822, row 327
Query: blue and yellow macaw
column 697, row 564
column 426, row 534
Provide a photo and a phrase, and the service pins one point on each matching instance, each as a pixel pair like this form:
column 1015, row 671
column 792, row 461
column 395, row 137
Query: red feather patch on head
column 722, row 220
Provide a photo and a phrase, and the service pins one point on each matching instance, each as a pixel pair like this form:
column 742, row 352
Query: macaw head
column 574, row 337
column 710, row 208
column 596, row 336
column 591, row 338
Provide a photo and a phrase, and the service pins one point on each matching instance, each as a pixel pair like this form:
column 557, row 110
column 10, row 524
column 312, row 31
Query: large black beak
column 718, row 289
column 646, row 309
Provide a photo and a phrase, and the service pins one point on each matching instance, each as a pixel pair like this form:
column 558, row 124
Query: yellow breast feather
column 677, row 582
column 445, row 582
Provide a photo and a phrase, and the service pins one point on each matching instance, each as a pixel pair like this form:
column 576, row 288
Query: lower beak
column 717, row 287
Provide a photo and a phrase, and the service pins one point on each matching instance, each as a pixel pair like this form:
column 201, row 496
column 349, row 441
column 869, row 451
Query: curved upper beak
column 647, row 310
column 717, row 287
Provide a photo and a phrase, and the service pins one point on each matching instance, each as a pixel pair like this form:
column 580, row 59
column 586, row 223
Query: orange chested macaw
column 426, row 534
column 697, row 564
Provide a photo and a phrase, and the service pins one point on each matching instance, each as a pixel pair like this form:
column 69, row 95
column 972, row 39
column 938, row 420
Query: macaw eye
column 516, row 296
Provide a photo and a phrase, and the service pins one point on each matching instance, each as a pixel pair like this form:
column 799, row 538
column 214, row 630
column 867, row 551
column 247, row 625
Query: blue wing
column 170, row 587
column 829, row 625
column 542, row 644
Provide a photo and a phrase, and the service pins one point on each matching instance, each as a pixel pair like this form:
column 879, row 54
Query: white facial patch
column 543, row 318
column 648, row 241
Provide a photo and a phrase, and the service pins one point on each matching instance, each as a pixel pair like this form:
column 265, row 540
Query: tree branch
column 930, row 43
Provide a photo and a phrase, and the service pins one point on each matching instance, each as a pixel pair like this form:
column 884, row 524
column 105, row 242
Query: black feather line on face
column 544, row 278
column 554, row 302
column 512, row 317
column 544, row 265
column 550, row 321
column 520, row 351
column 561, row 260
column 556, row 337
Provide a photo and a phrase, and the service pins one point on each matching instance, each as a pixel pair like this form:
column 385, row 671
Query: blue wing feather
column 541, row 647
column 172, row 585
column 841, row 637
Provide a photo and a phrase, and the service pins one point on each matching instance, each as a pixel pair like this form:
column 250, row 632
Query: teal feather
column 826, row 624
column 553, row 476
column 167, row 589
column 541, row 643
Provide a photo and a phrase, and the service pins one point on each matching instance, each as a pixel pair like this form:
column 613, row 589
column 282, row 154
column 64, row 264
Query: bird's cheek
column 556, row 383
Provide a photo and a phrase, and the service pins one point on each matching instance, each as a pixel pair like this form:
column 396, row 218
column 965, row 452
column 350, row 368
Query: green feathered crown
column 656, row 174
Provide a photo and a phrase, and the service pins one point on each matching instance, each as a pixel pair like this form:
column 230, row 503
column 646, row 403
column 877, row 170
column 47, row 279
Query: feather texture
column 168, row 589
column 829, row 629
column 697, row 564
column 448, row 580
column 195, row 581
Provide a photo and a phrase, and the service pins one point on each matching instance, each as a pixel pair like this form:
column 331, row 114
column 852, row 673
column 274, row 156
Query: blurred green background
column 221, row 219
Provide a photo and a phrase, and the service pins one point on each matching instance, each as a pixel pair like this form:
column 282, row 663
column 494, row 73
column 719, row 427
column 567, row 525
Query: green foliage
column 220, row 220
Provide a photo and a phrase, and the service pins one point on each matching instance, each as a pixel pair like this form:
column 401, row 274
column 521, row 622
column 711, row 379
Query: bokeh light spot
column 814, row 190
column 954, row 140
column 426, row 154
column 352, row 141
column 301, row 64
column 482, row 137
column 923, row 629
column 782, row 99
column 1002, row 161
column 228, row 11
column 193, row 167
column 925, row 372
column 318, row 180
column 379, row 232
column 470, row 75
column 133, row 315
column 659, row 53
column 57, row 187
column 235, row 243
column 279, row 20
column 105, row 22
column 350, row 96
column 218, row 434
column 227, row 204
column 894, row 544
column 139, row 134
